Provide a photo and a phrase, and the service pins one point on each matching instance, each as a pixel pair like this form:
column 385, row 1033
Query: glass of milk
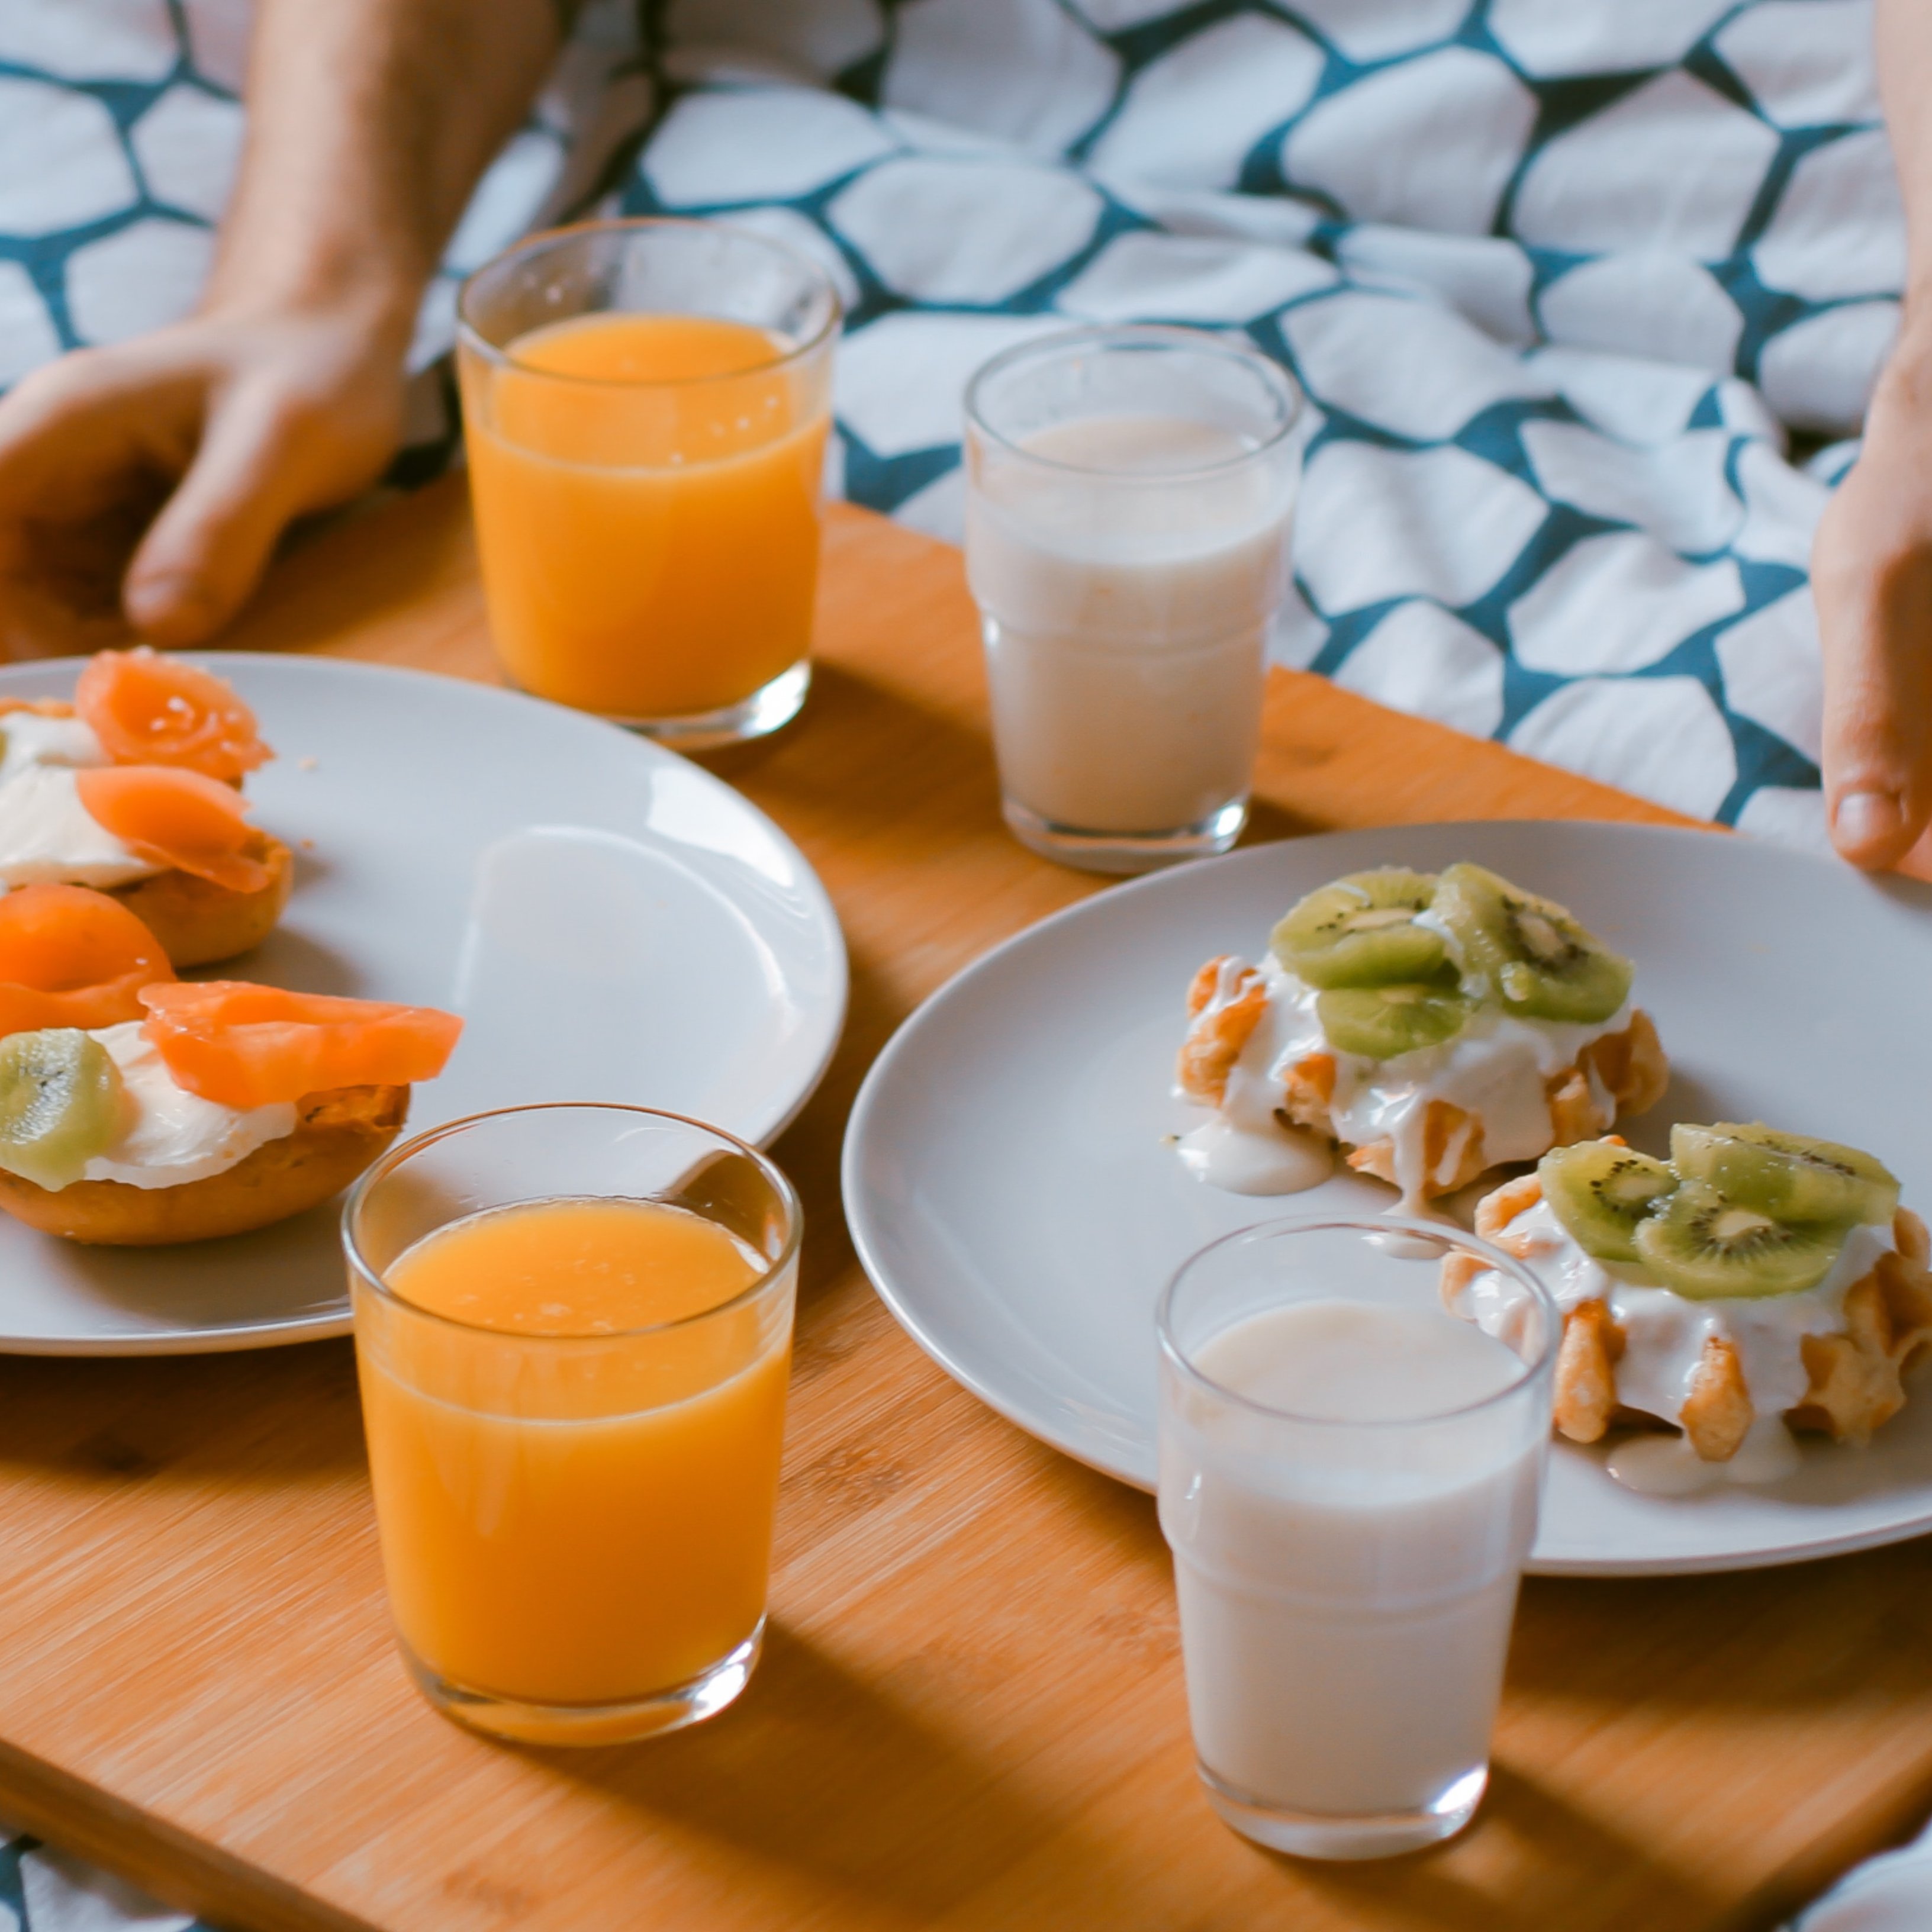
column 1129, row 497
column 1349, row 1481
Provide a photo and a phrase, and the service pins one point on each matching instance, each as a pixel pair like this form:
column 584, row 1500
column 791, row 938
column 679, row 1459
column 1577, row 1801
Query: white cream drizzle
column 1495, row 1070
column 1664, row 1338
column 1243, row 1160
column 169, row 1136
column 46, row 835
column 1667, row 1466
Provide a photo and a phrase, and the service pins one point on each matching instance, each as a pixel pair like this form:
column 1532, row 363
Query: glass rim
column 1446, row 1236
column 469, row 337
column 393, row 1158
column 1147, row 335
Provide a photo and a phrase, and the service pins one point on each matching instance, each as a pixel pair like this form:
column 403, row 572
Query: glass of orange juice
column 645, row 403
column 573, row 1332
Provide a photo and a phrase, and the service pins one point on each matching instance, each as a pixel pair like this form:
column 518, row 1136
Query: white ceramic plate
column 1010, row 1193
column 613, row 923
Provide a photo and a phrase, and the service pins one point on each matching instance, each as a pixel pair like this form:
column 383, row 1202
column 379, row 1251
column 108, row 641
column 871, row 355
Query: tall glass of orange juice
column 646, row 404
column 573, row 1332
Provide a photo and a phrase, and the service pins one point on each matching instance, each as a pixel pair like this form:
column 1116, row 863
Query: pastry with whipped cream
column 1432, row 1025
column 134, row 789
column 1756, row 1281
column 225, row 1108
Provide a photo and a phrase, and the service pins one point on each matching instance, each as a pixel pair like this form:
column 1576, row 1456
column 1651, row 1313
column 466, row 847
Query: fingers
column 89, row 447
column 1877, row 733
column 205, row 552
column 239, row 425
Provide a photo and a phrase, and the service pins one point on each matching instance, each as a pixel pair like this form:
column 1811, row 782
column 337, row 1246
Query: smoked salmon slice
column 148, row 709
column 172, row 816
column 244, row 1045
column 70, row 957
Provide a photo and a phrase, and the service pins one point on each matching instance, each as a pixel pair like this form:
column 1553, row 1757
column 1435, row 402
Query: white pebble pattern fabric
column 1559, row 276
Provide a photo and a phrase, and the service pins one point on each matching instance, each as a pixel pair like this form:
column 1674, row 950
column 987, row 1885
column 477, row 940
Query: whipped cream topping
column 27, row 739
column 46, row 835
column 169, row 1136
column 1495, row 1070
column 1665, row 1333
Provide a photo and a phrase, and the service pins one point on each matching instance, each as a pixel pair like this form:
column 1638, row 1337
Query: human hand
column 1871, row 576
column 143, row 486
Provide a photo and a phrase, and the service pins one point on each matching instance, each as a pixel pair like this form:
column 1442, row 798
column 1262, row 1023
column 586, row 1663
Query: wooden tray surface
column 970, row 1711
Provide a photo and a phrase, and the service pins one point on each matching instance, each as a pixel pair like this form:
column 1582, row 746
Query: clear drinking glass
column 1349, row 1481
column 1130, row 493
column 576, row 1528
column 646, row 404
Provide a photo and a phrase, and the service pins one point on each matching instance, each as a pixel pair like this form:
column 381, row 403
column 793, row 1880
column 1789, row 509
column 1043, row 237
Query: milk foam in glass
column 1348, row 1480
column 1129, row 502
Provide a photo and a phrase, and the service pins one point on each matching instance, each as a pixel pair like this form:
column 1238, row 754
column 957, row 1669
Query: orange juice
column 573, row 1512
column 647, row 499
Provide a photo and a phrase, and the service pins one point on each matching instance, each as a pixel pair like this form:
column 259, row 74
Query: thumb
column 1876, row 626
column 204, row 554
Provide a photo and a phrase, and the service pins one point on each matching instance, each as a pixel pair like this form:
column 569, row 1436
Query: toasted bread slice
column 337, row 1134
column 198, row 922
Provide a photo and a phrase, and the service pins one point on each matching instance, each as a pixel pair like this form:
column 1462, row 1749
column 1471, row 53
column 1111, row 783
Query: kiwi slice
column 1361, row 931
column 1538, row 962
column 1790, row 1177
column 60, row 1104
column 1600, row 1191
column 1381, row 1021
column 1706, row 1245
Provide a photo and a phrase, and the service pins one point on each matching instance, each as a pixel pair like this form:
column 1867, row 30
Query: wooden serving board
column 970, row 1712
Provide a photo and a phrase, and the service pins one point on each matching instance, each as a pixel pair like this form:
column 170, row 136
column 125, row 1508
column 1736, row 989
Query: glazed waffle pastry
column 1629, row 1067
column 1856, row 1373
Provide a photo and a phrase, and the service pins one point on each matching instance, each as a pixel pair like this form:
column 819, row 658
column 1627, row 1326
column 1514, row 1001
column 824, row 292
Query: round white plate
column 613, row 923
column 1012, row 1196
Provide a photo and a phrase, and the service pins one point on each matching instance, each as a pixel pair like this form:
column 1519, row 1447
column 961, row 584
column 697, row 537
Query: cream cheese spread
column 27, row 739
column 169, row 1136
column 47, row 836
column 1496, row 1070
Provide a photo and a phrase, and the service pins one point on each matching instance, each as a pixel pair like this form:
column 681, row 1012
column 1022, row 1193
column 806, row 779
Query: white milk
column 1127, row 623
column 1346, row 1594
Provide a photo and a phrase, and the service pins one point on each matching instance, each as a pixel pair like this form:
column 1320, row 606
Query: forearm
column 369, row 122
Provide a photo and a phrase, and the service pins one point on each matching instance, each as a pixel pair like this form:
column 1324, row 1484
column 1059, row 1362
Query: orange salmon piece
column 70, row 957
column 148, row 710
column 244, row 1045
column 171, row 817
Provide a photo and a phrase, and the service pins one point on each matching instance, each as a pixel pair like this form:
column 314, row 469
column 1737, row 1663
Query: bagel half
column 337, row 1134
column 198, row 922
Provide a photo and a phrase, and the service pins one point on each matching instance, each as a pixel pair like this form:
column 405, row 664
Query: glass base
column 702, row 1697
column 770, row 707
column 1311, row 1835
column 1124, row 851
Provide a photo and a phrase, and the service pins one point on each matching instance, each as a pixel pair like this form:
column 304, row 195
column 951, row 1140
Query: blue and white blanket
column 1563, row 278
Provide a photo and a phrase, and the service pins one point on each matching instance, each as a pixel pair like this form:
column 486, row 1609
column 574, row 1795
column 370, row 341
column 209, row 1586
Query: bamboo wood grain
column 970, row 1714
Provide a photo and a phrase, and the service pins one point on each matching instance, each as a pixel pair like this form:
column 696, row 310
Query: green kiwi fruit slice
column 60, row 1104
column 1381, row 1021
column 1537, row 960
column 1791, row 1176
column 1361, row 931
column 1600, row 1191
column 1706, row 1245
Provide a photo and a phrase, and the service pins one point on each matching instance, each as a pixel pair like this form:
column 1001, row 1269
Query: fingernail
column 175, row 601
column 1865, row 817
